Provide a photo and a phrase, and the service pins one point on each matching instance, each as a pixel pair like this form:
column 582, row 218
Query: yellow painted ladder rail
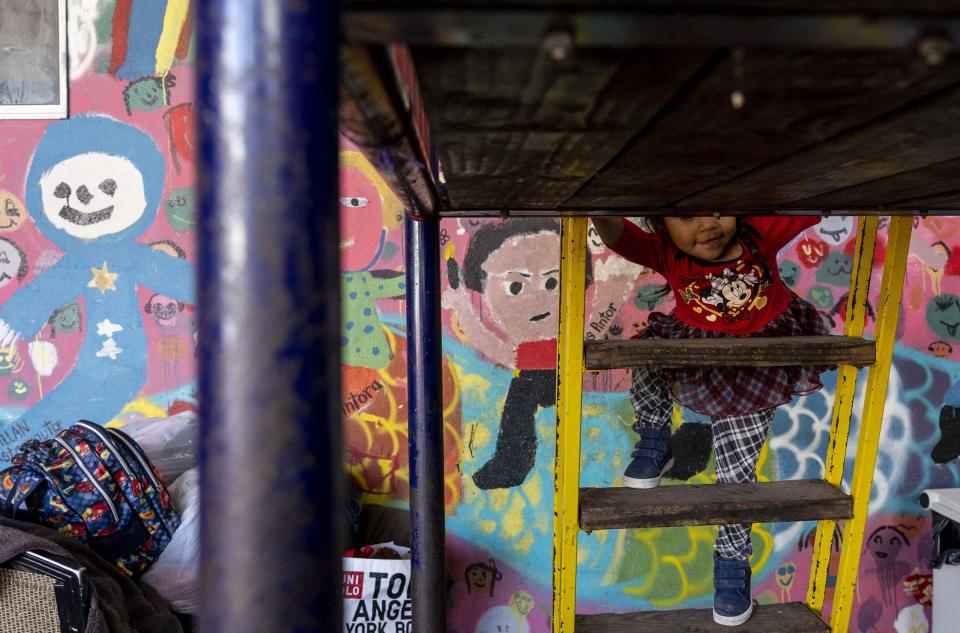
column 625, row 508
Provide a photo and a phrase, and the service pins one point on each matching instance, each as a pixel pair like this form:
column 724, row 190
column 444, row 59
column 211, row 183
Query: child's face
column 704, row 237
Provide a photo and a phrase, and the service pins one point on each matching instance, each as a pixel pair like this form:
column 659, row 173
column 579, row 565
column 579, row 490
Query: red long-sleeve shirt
column 733, row 296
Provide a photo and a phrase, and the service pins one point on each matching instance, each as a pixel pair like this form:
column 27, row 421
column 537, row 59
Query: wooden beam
column 773, row 351
column 380, row 115
column 622, row 24
column 711, row 504
column 903, row 208
column 876, row 7
column 790, row 617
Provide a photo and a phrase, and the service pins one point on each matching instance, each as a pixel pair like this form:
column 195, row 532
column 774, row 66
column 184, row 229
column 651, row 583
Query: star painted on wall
column 106, row 328
column 109, row 349
column 102, row 279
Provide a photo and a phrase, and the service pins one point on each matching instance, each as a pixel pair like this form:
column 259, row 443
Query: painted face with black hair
column 521, row 288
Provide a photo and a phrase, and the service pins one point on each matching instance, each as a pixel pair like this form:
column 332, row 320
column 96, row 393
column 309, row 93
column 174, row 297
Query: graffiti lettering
column 603, row 320
column 356, row 400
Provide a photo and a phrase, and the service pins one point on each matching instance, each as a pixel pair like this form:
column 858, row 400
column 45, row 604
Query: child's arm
column 627, row 240
column 777, row 231
column 609, row 229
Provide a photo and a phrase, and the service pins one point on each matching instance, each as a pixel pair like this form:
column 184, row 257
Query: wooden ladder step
column 790, row 617
column 712, row 504
column 741, row 351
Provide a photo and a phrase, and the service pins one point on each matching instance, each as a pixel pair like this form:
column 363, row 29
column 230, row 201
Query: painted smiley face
column 940, row 349
column 18, row 390
column 66, row 319
column 94, row 194
column 811, row 251
column 12, row 213
column 479, row 578
column 943, row 315
column 786, row 574
column 836, row 269
column 836, row 229
column 164, row 309
column 522, row 602
column 886, row 542
column 9, row 361
column 821, row 296
column 13, row 262
column 789, row 273
column 146, row 94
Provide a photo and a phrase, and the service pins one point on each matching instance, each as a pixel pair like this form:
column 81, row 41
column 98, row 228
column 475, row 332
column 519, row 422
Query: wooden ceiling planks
column 932, row 183
column 514, row 127
column 916, row 137
column 792, row 101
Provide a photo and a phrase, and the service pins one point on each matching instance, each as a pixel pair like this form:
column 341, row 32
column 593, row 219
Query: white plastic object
column 171, row 443
column 176, row 574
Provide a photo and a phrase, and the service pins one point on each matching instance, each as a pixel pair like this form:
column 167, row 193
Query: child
column 724, row 276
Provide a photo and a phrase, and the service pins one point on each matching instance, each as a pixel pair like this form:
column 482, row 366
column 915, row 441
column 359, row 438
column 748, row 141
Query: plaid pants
column 737, row 442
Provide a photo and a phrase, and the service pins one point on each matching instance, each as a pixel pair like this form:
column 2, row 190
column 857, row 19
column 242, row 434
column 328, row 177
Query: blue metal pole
column 425, row 419
column 273, row 531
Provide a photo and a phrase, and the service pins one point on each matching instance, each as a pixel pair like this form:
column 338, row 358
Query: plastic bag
column 376, row 589
column 170, row 443
column 176, row 574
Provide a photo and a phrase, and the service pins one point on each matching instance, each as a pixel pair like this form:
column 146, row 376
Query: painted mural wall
column 500, row 294
column 96, row 231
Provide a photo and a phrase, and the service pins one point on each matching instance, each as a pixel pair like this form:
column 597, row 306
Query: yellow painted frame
column 857, row 299
column 871, row 419
column 566, row 482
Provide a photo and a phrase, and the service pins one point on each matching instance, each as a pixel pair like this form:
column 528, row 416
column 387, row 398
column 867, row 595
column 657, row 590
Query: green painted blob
column 66, row 319
column 943, row 315
column 821, row 296
column 363, row 342
column 790, row 273
column 18, row 390
column 836, row 269
column 104, row 22
column 649, row 296
column 145, row 95
column 180, row 209
column 389, row 250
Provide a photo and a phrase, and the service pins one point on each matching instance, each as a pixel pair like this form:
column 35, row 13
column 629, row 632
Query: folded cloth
column 117, row 603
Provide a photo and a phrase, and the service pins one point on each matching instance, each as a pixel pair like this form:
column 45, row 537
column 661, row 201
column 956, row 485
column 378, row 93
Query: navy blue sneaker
column 652, row 457
column 732, row 605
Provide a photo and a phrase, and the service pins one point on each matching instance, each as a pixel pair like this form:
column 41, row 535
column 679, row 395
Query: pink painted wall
column 119, row 61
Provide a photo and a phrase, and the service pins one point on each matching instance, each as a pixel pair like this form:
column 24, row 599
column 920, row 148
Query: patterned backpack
column 96, row 485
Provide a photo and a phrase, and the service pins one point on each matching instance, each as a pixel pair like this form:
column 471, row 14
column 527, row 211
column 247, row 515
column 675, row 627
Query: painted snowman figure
column 95, row 185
